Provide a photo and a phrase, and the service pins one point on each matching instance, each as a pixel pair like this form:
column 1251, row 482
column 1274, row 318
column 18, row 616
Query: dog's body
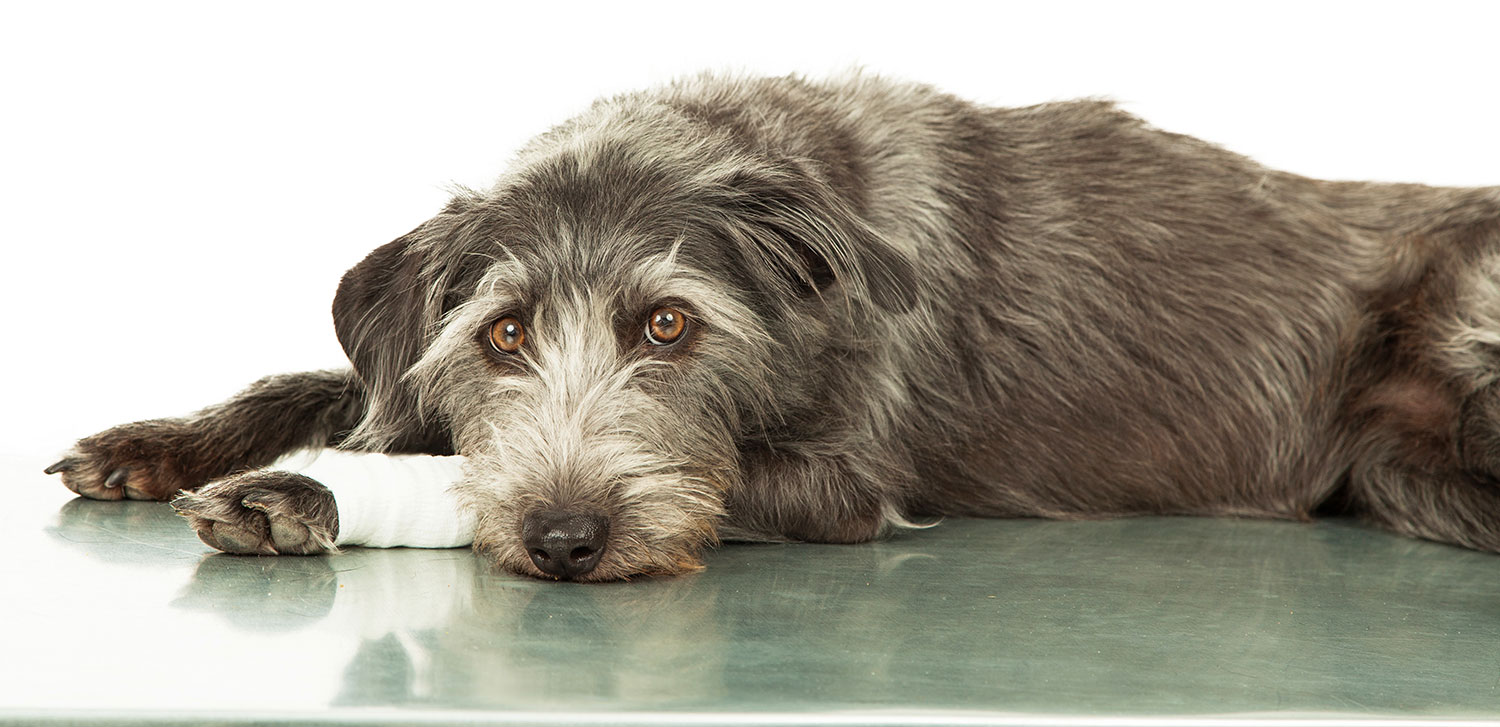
column 879, row 303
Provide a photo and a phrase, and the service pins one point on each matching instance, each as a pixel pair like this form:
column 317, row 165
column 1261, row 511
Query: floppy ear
column 382, row 315
column 801, row 230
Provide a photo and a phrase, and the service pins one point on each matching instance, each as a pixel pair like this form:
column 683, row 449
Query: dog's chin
column 622, row 562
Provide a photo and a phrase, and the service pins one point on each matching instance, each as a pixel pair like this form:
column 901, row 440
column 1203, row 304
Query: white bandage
column 390, row 500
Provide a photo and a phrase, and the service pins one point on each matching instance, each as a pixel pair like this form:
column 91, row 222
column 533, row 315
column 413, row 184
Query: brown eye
column 507, row 335
column 665, row 325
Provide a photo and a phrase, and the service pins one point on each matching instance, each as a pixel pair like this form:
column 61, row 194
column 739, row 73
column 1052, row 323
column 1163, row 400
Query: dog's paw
column 150, row 460
column 263, row 513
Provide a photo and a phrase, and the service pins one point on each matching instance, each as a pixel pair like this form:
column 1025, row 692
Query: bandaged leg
column 390, row 501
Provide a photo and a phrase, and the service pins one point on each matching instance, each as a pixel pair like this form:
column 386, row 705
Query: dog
column 794, row 310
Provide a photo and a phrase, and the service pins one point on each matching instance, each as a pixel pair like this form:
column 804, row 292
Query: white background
column 181, row 185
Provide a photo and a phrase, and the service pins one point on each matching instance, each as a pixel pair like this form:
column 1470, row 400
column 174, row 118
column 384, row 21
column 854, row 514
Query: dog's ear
column 804, row 232
column 382, row 315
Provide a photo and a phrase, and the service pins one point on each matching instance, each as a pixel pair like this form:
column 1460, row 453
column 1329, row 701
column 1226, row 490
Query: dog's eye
column 507, row 335
column 665, row 325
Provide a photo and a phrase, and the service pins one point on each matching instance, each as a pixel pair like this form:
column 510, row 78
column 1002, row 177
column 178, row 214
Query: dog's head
column 602, row 330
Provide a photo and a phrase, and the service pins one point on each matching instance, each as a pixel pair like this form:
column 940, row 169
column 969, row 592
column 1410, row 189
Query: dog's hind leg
column 1479, row 434
column 153, row 460
column 1449, row 506
column 1431, row 422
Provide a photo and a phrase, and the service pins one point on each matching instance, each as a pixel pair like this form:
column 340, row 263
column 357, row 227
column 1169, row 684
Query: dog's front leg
column 153, row 460
column 299, row 507
column 807, row 492
column 263, row 512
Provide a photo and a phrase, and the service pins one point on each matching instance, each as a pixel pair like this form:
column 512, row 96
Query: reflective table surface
column 114, row 613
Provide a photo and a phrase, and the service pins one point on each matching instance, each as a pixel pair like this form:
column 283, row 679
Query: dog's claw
column 62, row 465
column 117, row 478
column 185, row 504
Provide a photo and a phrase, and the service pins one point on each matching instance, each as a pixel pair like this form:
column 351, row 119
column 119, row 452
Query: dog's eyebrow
column 676, row 245
column 508, row 273
column 490, row 256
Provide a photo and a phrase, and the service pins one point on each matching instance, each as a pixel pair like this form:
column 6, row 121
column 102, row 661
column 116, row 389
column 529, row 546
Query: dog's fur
column 901, row 305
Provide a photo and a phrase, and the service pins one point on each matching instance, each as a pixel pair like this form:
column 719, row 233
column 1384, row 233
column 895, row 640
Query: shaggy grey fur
column 900, row 305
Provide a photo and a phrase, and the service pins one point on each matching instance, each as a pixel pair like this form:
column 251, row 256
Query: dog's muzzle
column 565, row 544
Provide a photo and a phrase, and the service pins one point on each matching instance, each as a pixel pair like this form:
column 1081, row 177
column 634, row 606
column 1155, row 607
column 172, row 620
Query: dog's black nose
column 564, row 543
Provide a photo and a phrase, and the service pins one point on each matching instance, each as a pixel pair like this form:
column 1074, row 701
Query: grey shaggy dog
column 816, row 311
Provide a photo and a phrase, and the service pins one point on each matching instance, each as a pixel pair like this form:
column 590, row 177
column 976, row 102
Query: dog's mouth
column 607, row 573
column 587, row 547
column 653, row 521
